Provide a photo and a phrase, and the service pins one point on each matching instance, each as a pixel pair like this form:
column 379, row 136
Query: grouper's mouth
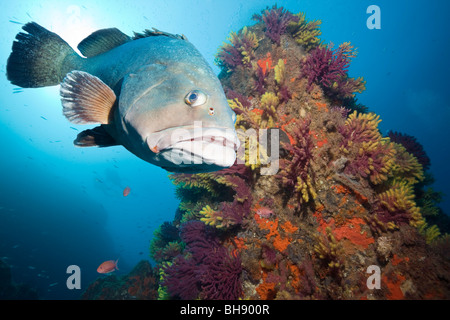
column 190, row 146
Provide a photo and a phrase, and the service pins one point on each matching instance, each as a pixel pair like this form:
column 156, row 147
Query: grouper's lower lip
column 197, row 152
column 183, row 136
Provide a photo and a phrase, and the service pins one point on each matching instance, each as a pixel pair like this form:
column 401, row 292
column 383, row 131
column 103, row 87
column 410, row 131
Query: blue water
column 61, row 205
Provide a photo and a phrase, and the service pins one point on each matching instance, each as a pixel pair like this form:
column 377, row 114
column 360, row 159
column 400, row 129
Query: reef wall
column 344, row 197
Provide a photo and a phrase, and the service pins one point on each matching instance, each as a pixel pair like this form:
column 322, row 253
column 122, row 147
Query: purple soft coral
column 371, row 164
column 276, row 21
column 182, row 271
column 231, row 95
column 325, row 66
column 230, row 57
column 221, row 278
column 209, row 271
column 301, row 153
column 182, row 275
column 236, row 211
column 260, row 80
column 328, row 68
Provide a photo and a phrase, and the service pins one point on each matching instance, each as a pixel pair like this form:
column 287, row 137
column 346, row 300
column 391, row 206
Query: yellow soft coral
column 211, row 217
column 431, row 234
column 215, row 218
column 406, row 166
column 245, row 118
column 251, row 39
column 190, row 209
column 280, row 72
column 400, row 198
column 377, row 176
column 305, row 33
column 363, row 126
column 328, row 249
column 190, row 181
column 162, row 290
column 269, row 103
column 363, row 142
column 348, row 50
column 255, row 154
column 305, row 188
column 241, row 46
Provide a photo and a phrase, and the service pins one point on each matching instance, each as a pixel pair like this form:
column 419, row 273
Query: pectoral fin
column 97, row 137
column 86, row 98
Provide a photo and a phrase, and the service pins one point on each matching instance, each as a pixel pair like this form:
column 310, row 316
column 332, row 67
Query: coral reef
column 140, row 284
column 306, row 215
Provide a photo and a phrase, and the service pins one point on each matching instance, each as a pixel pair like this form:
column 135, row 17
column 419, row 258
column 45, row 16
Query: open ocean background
column 61, row 205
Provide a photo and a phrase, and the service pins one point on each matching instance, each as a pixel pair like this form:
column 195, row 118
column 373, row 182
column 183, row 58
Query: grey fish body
column 156, row 95
column 129, row 57
column 150, row 59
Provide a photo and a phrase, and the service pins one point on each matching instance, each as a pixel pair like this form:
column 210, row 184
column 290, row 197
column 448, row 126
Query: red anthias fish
column 264, row 212
column 126, row 191
column 108, row 266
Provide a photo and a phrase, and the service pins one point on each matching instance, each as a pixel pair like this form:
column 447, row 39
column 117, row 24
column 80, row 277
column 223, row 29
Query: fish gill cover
column 345, row 197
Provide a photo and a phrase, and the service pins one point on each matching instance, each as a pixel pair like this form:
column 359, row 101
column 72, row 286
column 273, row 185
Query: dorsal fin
column 102, row 41
column 149, row 33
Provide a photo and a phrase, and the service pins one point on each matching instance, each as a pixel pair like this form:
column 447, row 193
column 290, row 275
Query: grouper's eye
column 195, row 98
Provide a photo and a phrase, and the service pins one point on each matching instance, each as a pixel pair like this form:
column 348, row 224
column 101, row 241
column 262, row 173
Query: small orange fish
column 108, row 266
column 126, row 191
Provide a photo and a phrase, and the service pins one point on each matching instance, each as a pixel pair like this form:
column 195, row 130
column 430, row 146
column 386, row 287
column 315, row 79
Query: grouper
column 152, row 93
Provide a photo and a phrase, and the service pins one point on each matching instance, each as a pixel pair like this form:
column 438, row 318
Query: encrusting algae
column 344, row 196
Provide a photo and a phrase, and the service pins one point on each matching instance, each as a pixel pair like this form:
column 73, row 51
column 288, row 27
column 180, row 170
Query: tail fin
column 40, row 58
